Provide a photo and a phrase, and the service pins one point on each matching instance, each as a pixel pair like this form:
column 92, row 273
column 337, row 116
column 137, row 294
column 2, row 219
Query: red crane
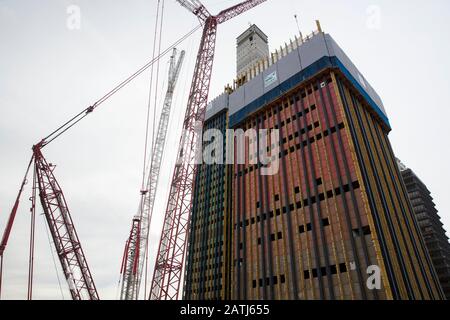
column 168, row 269
column 56, row 210
column 62, row 230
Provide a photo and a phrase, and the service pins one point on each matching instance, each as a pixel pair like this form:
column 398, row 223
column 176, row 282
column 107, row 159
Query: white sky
column 49, row 73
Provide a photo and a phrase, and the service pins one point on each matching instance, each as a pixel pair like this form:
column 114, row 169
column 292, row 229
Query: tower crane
column 169, row 264
column 137, row 243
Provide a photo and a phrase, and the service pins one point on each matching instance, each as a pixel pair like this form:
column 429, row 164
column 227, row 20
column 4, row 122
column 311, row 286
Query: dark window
column 325, row 222
column 342, row 267
column 333, row 269
column 277, row 197
column 301, row 229
column 319, row 181
column 282, row 279
column 279, row 235
column 306, row 274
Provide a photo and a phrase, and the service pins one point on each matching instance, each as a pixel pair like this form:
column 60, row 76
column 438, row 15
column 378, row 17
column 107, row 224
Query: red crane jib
column 168, row 269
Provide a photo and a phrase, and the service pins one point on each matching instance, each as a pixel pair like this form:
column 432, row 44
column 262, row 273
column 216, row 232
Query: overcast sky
column 50, row 71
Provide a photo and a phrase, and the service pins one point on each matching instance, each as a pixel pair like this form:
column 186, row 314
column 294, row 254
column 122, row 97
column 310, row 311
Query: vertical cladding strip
column 265, row 237
column 334, row 234
column 390, row 210
column 405, row 287
column 256, row 253
column 348, row 176
column 295, row 174
column 188, row 288
column 274, row 184
column 339, row 174
column 228, row 240
column 410, row 260
column 354, row 149
column 323, row 239
column 417, row 258
column 204, row 247
column 215, row 250
column 249, row 200
column 310, row 207
column 292, row 290
column 215, row 265
column 418, row 239
column 224, row 222
column 238, row 233
column 244, row 234
column 302, row 176
column 261, row 261
column 284, row 179
column 390, row 281
column 196, row 227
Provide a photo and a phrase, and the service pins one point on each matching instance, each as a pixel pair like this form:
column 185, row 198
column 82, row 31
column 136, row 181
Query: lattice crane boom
column 197, row 8
column 169, row 263
column 62, row 230
column 131, row 280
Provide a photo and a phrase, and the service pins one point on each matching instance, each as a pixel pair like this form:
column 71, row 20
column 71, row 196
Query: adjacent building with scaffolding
column 430, row 225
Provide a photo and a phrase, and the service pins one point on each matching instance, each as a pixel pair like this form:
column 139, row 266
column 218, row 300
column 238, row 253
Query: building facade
column 208, row 266
column 335, row 221
column 430, row 225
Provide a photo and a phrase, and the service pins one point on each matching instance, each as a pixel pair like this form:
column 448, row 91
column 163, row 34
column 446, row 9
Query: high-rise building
column 252, row 47
column 334, row 221
column 430, row 225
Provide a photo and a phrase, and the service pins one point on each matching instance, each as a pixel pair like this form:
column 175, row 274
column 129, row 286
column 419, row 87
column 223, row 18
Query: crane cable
column 77, row 118
column 50, row 241
column 10, row 222
column 147, row 126
column 153, row 146
column 32, row 236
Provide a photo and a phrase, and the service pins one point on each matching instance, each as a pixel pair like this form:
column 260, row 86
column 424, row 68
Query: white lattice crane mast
column 137, row 244
column 169, row 263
